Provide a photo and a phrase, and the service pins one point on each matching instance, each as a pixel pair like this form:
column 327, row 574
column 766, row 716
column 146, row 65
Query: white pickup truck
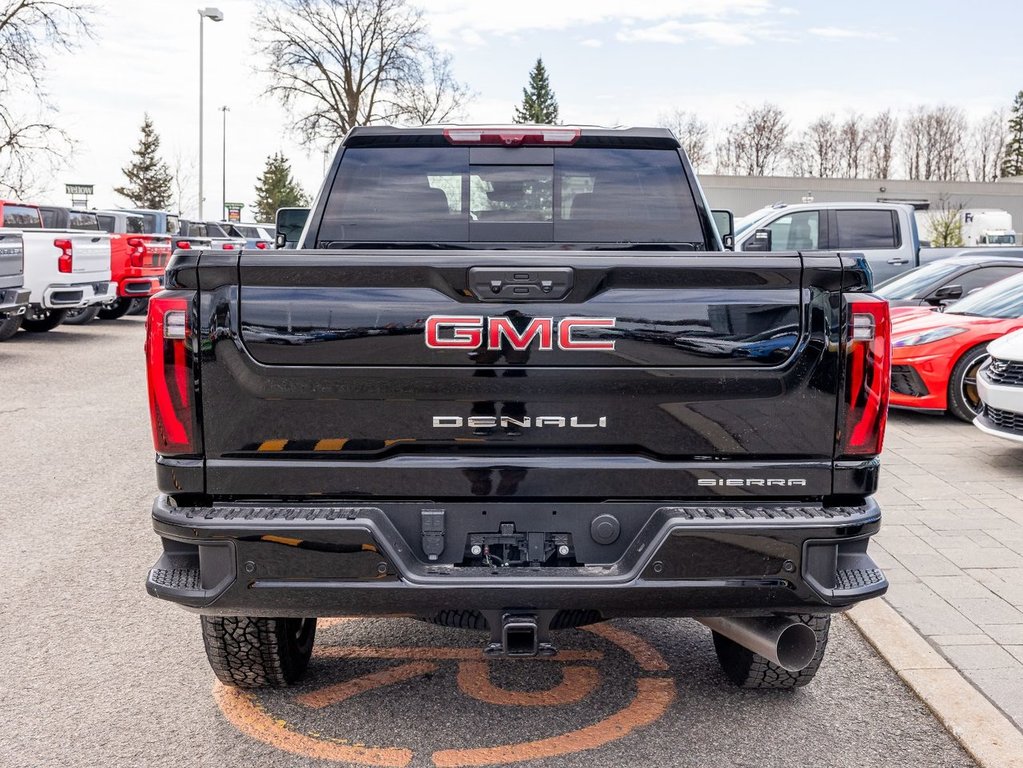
column 13, row 296
column 64, row 268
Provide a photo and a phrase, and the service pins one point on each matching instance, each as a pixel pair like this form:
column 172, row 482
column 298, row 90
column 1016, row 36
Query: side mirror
column 280, row 240
column 290, row 223
column 760, row 242
column 947, row 293
column 725, row 223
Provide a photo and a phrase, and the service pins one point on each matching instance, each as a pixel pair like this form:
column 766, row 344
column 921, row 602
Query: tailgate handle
column 510, row 284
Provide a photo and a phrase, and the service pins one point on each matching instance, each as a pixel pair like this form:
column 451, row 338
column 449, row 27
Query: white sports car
column 1000, row 386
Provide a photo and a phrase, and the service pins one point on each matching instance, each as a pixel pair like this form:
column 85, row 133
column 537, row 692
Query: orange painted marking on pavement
column 333, row 694
column 281, row 540
column 576, row 685
column 648, row 657
column 442, row 654
column 248, row 716
column 653, row 697
column 331, row 445
column 272, row 445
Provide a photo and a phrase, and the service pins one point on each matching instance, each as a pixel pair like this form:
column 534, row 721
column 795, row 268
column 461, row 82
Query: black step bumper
column 14, row 301
column 685, row 560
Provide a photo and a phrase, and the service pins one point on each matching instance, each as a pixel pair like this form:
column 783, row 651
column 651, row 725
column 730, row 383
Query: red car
column 936, row 355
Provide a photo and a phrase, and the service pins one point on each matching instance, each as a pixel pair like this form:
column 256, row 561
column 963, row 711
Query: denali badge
column 746, row 482
column 473, row 332
column 486, row 422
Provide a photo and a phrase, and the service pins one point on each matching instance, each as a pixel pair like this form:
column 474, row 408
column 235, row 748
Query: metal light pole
column 223, row 200
column 213, row 14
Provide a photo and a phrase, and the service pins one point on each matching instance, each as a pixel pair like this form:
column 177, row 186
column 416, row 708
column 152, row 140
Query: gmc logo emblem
column 473, row 332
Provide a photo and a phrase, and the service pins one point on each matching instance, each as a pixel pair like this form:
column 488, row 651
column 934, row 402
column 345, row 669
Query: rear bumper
column 74, row 295
column 14, row 301
column 139, row 286
column 329, row 560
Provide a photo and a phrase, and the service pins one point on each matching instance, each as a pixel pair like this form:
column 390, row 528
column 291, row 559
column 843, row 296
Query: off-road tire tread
column 247, row 652
column 751, row 670
column 9, row 326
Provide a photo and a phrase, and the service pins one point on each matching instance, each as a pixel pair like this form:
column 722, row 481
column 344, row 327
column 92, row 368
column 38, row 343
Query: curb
column 983, row 731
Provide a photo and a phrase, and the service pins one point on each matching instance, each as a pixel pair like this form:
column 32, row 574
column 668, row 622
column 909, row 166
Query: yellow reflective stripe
column 389, row 443
column 331, row 445
column 273, row 445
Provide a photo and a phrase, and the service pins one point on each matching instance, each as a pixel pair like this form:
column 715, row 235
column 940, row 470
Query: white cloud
column 842, row 33
column 719, row 32
column 448, row 18
column 591, row 42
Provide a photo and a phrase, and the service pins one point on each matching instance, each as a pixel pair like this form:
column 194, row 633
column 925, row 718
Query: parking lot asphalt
column 952, row 546
column 93, row 672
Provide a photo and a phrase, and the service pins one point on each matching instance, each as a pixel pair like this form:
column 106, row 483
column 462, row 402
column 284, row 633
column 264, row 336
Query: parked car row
column 61, row 264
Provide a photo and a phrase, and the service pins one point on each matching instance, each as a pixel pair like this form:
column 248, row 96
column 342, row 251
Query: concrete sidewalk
column 952, row 547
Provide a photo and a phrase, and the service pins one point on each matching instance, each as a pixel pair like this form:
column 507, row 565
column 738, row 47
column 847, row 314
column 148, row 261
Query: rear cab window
column 83, row 221
column 868, row 229
column 579, row 197
column 22, row 217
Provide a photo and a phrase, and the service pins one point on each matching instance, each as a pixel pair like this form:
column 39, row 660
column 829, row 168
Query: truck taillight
column 183, row 245
column 137, row 254
column 169, row 369
column 514, row 136
column 66, row 261
column 867, row 377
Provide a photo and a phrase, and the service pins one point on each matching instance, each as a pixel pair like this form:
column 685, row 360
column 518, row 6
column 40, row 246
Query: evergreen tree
column 149, row 178
column 1012, row 165
column 539, row 104
column 277, row 189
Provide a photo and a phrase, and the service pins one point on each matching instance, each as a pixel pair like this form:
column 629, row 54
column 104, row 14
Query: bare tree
column 816, row 152
column 692, row 133
column 881, row 136
column 934, row 141
column 183, row 173
column 755, row 144
column 342, row 63
column 990, row 136
column 31, row 142
column 943, row 225
column 853, row 139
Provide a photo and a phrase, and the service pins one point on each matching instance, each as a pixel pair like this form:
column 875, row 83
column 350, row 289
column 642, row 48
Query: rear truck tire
column 247, row 652
column 40, row 320
column 9, row 326
column 751, row 670
column 82, row 316
column 138, row 306
column 963, row 399
column 115, row 309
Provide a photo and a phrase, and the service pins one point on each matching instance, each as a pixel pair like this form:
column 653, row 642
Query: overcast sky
column 610, row 62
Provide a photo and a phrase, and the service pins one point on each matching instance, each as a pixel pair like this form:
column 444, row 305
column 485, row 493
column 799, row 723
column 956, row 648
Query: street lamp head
column 213, row 14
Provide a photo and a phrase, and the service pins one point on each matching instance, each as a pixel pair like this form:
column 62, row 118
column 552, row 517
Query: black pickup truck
column 512, row 381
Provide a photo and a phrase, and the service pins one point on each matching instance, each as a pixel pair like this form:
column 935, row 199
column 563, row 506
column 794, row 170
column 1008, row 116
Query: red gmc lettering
column 502, row 326
column 466, row 333
column 469, row 332
column 569, row 324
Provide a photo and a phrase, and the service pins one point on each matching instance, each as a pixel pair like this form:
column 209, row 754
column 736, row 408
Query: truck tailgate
column 12, row 255
column 705, row 374
column 91, row 255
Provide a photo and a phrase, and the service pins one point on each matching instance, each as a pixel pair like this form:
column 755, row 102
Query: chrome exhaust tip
column 789, row 644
